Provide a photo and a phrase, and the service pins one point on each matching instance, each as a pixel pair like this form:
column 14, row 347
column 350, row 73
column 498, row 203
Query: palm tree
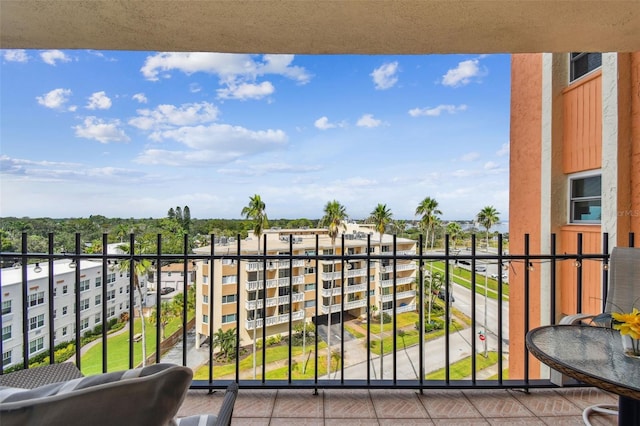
column 428, row 209
column 399, row 226
column 334, row 217
column 255, row 211
column 167, row 311
column 455, row 231
column 381, row 217
column 487, row 217
column 141, row 267
column 225, row 340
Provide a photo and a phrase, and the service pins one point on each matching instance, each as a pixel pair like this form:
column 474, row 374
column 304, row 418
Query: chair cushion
column 145, row 396
column 201, row 420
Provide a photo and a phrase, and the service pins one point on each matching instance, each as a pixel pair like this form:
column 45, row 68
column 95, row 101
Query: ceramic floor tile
column 298, row 403
column 563, row 420
column 200, row 402
column 496, row 404
column 351, row 422
column 448, row 404
column 249, row 421
column 546, row 402
column 282, row 421
column 460, row 422
column 404, row 422
column 254, row 403
column 516, row 421
column 390, row 404
column 348, row 404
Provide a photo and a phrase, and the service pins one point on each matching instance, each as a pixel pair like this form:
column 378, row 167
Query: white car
column 504, row 276
column 481, row 268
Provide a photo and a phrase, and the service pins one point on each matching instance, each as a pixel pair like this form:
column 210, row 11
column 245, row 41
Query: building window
column 64, row 310
column 309, row 270
column 64, row 331
column 84, row 324
column 6, row 307
column 205, row 279
column 308, row 287
column 98, row 299
column 111, row 278
column 84, row 304
column 111, row 312
column 205, row 319
column 229, row 298
column 6, row 333
column 36, row 298
column 111, row 294
column 585, row 199
column 205, row 299
column 6, row 358
column 582, row 63
column 65, row 289
column 226, row 319
column 229, row 279
column 327, row 251
column 36, row 345
column 98, row 282
column 85, row 285
column 309, row 303
column 36, row 322
column 97, row 319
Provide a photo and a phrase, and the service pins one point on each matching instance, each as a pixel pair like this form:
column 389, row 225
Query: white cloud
column 99, row 100
column 101, row 130
column 462, row 74
column 245, row 91
column 434, row 112
column 55, row 99
column 167, row 116
column 490, row 165
column 367, row 120
column 51, row 57
column 504, row 150
column 140, row 97
column 216, row 143
column 194, row 88
column 227, row 66
column 17, row 55
column 323, row 123
column 470, row 156
column 268, row 168
column 385, row 76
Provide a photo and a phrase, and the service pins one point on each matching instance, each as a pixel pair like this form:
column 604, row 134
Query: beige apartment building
column 225, row 283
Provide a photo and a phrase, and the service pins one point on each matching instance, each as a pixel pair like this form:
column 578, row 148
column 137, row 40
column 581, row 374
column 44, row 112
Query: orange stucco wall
column 524, row 194
column 634, row 124
column 582, row 124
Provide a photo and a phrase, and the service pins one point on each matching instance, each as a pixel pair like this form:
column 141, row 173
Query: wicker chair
column 622, row 296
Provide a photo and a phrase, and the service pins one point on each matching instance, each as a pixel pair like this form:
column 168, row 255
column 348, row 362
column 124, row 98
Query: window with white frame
column 205, row 299
column 6, row 332
column 64, row 310
column 205, row 319
column 6, row 307
column 36, row 345
column 84, row 304
column 229, row 298
column 36, row 322
column 97, row 319
column 226, row 319
column 65, row 330
column 229, row 279
column 85, row 285
column 111, row 278
column 65, row 289
column 585, row 198
column 6, row 358
column 98, row 299
column 98, row 282
column 36, row 299
column 84, row 324
column 111, row 312
column 582, row 63
column 111, row 294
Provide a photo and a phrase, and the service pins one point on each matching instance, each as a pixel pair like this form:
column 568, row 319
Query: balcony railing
column 24, row 344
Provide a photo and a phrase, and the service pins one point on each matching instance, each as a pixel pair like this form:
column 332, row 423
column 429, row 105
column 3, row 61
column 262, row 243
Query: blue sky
column 131, row 134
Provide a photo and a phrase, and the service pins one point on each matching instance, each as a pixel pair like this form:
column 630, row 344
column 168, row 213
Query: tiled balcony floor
column 406, row 407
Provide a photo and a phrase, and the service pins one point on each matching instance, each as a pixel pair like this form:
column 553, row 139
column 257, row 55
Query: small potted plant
column 629, row 326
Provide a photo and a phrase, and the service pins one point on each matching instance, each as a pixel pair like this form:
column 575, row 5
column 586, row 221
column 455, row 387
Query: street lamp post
column 485, row 312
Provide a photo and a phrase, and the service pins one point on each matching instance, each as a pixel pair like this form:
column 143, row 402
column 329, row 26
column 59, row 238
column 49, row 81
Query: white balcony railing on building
column 399, row 295
column 400, row 267
column 273, row 283
column 274, row 301
column 355, row 288
column 399, row 281
column 275, row 320
column 350, row 273
column 272, row 265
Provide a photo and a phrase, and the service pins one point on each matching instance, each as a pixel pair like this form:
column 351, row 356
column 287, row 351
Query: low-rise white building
column 64, row 304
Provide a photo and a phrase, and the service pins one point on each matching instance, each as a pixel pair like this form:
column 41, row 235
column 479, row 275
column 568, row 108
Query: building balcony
column 399, row 295
column 275, row 320
column 399, row 267
column 250, row 305
column 399, row 281
column 337, row 291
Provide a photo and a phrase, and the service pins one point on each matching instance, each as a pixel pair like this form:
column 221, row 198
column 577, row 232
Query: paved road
column 195, row 356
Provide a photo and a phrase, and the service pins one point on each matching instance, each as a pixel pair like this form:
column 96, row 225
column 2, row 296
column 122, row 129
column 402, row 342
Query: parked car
column 504, row 276
column 481, row 268
column 167, row 290
column 441, row 295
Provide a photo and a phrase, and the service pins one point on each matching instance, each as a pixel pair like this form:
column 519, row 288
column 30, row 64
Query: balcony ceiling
column 296, row 26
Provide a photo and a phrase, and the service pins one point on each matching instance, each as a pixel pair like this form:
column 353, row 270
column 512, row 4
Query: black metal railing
column 338, row 379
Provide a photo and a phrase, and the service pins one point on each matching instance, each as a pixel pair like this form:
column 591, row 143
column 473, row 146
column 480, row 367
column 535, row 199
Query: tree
column 167, row 311
column 334, row 218
column 455, row 231
column 186, row 218
column 428, row 210
column 179, row 214
column 171, row 214
column 487, row 217
column 226, row 341
column 399, row 226
column 381, row 217
column 255, row 211
column 141, row 267
column 178, row 302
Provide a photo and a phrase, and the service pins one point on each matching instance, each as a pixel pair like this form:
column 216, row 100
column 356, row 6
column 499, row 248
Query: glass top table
column 594, row 356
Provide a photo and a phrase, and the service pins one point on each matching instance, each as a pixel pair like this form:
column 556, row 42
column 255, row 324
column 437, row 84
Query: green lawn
column 462, row 369
column 462, row 277
column 274, row 354
column 118, row 348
